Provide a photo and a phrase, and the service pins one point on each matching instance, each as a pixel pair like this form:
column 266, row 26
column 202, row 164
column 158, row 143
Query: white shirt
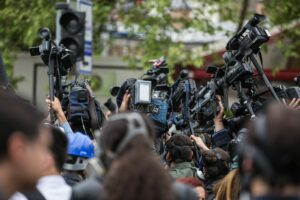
column 51, row 187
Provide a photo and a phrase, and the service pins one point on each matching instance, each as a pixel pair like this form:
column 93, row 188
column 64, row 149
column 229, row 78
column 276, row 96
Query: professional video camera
column 77, row 99
column 149, row 94
column 59, row 62
column 51, row 52
column 246, row 44
column 247, row 41
column 83, row 111
column 287, row 92
column 181, row 98
column 236, row 74
column 152, row 85
column 159, row 72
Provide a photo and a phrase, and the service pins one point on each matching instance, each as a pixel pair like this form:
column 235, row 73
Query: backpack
column 82, row 108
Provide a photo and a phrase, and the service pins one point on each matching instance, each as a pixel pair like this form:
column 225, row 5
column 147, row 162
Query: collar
column 51, row 180
column 181, row 165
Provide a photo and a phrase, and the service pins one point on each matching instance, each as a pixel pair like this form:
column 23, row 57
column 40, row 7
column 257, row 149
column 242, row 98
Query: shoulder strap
column 34, row 194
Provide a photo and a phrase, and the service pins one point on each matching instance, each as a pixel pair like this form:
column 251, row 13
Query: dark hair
column 17, row 114
column 180, row 148
column 113, row 132
column 277, row 140
column 137, row 175
column 148, row 179
column 58, row 146
column 215, row 163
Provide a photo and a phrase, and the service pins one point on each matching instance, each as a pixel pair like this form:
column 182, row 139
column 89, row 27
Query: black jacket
column 92, row 189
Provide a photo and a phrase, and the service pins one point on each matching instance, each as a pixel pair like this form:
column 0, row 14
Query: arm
column 61, row 118
column 56, row 106
column 218, row 120
column 199, row 142
column 125, row 102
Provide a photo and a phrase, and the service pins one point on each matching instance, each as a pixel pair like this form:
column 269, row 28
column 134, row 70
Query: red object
column 191, row 181
column 282, row 75
column 138, row 2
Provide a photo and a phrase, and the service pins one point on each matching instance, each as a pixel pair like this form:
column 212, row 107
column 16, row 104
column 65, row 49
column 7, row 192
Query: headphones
column 135, row 126
column 258, row 157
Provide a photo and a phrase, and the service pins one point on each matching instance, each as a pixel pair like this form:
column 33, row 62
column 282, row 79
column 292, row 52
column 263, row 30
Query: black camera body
column 80, row 107
column 288, row 93
column 247, row 41
column 149, row 95
column 158, row 74
column 48, row 49
column 184, row 87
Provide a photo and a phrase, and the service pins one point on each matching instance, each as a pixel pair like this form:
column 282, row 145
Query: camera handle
column 197, row 156
column 244, row 100
column 264, row 77
column 51, row 66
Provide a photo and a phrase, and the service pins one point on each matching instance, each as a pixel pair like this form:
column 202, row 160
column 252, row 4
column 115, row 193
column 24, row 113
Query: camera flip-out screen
column 143, row 92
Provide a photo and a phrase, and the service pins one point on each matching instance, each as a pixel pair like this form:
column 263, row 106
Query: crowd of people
column 39, row 160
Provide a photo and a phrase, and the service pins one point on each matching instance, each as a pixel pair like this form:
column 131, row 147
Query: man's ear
column 247, row 165
column 16, row 146
column 168, row 157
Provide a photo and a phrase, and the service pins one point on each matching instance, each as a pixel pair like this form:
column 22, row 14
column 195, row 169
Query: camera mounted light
column 44, row 33
column 142, row 92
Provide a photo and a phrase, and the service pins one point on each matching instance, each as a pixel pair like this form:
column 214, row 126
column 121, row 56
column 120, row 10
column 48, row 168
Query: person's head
column 215, row 163
column 179, row 149
column 115, row 138
column 80, row 150
column 22, row 143
column 196, row 184
column 270, row 152
column 126, row 140
column 57, row 149
column 229, row 187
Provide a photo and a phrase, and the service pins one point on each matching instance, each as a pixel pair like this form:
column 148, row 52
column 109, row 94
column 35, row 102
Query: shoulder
column 184, row 192
column 91, row 189
column 178, row 172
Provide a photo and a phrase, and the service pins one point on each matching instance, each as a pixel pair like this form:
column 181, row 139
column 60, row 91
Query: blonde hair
column 229, row 187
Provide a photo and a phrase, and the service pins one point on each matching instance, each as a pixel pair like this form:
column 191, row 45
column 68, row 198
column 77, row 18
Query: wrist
column 203, row 147
column 61, row 116
column 218, row 120
column 219, row 126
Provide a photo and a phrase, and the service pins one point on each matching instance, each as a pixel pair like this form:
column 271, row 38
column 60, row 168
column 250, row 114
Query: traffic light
column 72, row 25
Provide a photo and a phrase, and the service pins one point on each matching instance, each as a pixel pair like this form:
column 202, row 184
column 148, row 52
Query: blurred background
column 126, row 34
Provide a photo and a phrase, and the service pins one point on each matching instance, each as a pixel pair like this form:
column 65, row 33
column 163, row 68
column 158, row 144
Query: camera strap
column 92, row 108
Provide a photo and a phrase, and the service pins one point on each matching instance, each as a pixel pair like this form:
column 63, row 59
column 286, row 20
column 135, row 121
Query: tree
column 286, row 15
column 21, row 19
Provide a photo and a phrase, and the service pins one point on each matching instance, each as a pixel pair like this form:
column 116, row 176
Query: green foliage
column 20, row 20
column 286, row 14
column 154, row 18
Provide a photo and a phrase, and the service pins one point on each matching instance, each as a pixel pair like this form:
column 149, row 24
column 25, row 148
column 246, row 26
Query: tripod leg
column 264, row 77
